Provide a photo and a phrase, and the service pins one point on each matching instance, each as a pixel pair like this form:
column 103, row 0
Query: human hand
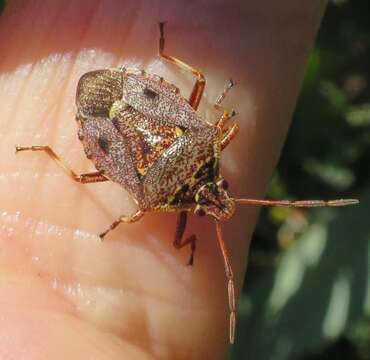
column 63, row 292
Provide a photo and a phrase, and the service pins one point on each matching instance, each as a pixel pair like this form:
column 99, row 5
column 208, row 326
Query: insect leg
column 83, row 178
column 230, row 286
column 226, row 114
column 197, row 92
column 126, row 219
column 230, row 134
column 178, row 243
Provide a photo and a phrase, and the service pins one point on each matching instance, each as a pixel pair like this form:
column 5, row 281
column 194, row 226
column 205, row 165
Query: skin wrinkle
column 70, row 70
column 115, row 326
column 170, row 272
column 53, row 82
column 56, row 108
column 22, row 93
column 24, row 286
column 48, row 38
column 31, row 226
column 118, row 348
column 142, row 260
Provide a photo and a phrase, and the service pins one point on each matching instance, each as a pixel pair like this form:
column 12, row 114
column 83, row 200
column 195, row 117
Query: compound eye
column 224, row 184
column 199, row 212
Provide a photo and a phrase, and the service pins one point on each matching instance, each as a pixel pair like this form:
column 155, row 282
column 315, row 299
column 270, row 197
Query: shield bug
column 141, row 133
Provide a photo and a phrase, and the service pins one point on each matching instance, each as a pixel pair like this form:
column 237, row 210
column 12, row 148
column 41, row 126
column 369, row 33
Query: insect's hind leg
column 179, row 243
column 126, row 219
column 198, row 88
column 226, row 114
column 96, row 176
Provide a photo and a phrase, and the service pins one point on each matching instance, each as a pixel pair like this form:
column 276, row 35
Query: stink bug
column 140, row 132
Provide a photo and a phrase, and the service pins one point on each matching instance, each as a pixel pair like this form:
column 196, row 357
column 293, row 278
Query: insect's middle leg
column 96, row 176
column 126, row 219
column 198, row 88
column 178, row 243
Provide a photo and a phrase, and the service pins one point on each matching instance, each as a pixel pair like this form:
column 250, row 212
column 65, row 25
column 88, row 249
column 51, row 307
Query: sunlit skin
column 63, row 292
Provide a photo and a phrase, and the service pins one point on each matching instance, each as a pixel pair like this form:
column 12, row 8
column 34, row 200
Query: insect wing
column 97, row 91
column 159, row 100
column 105, row 146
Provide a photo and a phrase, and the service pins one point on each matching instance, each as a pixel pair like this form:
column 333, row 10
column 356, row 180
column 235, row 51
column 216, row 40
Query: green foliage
column 2, row 5
column 316, row 292
column 306, row 294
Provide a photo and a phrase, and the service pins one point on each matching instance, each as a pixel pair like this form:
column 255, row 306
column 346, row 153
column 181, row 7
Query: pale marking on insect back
column 149, row 137
column 178, row 131
column 116, row 108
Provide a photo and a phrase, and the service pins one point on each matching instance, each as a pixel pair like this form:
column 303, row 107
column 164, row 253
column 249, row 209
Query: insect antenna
column 230, row 286
column 299, row 203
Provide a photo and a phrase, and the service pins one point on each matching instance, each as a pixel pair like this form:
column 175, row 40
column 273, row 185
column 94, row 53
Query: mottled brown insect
column 141, row 133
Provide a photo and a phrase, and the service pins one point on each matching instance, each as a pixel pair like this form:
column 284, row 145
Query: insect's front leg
column 126, row 219
column 96, row 176
column 178, row 243
column 229, row 135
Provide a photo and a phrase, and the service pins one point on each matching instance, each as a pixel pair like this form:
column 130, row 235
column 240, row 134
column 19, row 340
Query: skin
column 63, row 293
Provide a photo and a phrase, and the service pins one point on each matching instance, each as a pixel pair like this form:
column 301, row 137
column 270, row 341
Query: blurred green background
column 307, row 290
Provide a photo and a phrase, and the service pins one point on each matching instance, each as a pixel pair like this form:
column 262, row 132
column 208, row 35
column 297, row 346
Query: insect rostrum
column 141, row 133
